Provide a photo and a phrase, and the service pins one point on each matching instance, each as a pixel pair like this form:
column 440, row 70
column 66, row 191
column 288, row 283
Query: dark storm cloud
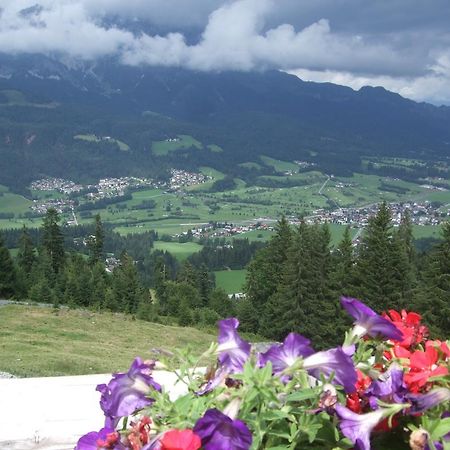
column 401, row 44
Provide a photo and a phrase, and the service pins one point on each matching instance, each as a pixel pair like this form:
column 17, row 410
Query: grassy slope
column 38, row 342
column 231, row 281
column 180, row 251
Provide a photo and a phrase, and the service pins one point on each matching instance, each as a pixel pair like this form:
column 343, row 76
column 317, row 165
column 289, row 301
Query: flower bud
column 418, row 439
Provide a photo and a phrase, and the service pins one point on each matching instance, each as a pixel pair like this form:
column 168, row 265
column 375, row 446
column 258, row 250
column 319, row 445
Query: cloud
column 400, row 44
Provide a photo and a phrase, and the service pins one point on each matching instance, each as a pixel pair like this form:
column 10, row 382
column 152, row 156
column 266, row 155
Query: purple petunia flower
column 389, row 388
column 219, row 432
column 333, row 361
column 368, row 321
column 357, row 427
column 233, row 350
column 285, row 355
column 422, row 402
column 106, row 438
column 127, row 392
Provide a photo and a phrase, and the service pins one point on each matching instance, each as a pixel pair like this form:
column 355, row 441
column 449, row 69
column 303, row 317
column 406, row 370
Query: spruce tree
column 7, row 273
column 377, row 263
column 96, row 242
column 266, row 271
column 53, row 240
column 344, row 266
column 26, row 256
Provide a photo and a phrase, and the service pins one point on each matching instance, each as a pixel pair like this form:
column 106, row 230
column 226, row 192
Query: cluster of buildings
column 116, row 187
column 213, row 230
column 181, row 178
column 56, row 184
column 61, row 205
column 421, row 213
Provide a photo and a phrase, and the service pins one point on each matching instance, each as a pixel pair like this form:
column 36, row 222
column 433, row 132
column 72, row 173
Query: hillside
column 44, row 104
column 75, row 342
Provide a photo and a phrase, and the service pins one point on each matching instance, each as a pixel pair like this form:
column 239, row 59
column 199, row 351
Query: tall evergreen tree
column 377, row 263
column 434, row 294
column 7, row 273
column 344, row 266
column 53, row 240
column 265, row 272
column 96, row 242
column 26, row 256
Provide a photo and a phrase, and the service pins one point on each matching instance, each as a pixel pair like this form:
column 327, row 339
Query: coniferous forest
column 293, row 283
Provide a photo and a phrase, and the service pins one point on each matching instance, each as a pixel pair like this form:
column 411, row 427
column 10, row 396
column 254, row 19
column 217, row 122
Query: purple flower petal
column 389, row 388
column 233, row 350
column 285, row 355
column 369, row 322
column 127, row 392
column 357, row 427
column 219, row 432
column 422, row 402
column 333, row 361
column 90, row 441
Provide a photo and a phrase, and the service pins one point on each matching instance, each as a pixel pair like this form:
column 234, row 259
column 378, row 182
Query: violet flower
column 422, row 402
column 106, row 438
column 127, row 392
column 219, row 432
column 369, row 322
column 334, row 361
column 285, row 355
column 233, row 350
column 358, row 427
column 389, row 387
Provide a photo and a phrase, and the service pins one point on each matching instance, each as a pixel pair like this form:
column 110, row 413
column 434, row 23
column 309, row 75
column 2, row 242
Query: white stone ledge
column 52, row 413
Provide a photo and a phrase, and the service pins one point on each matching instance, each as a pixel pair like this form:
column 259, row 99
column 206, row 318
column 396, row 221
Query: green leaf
column 442, row 428
column 301, row 395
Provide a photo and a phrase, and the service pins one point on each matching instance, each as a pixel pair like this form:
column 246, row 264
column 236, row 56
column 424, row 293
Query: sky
column 402, row 45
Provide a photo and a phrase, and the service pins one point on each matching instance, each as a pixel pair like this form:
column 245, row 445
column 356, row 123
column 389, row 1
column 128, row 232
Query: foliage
column 393, row 388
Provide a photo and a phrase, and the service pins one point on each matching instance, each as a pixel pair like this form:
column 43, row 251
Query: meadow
column 231, row 281
column 76, row 342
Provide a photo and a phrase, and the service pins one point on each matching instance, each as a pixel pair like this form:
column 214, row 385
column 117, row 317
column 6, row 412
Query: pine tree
column 266, row 271
column 7, row 273
column 344, row 266
column 53, row 240
column 434, row 295
column 96, row 242
column 26, row 256
column 377, row 263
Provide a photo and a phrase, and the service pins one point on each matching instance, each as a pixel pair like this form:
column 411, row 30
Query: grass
column 40, row 342
column 161, row 148
column 278, row 165
column 232, row 281
column 180, row 251
column 13, row 203
column 17, row 98
column 93, row 138
column 215, row 148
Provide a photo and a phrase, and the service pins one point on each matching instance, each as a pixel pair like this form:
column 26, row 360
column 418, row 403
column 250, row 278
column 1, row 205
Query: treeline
column 150, row 285
column 294, row 284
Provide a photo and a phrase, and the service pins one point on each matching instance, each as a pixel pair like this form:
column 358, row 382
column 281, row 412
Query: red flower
column 356, row 401
column 409, row 324
column 423, row 366
column 180, row 440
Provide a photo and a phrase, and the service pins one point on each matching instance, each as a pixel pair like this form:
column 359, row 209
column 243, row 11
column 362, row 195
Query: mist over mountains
column 246, row 113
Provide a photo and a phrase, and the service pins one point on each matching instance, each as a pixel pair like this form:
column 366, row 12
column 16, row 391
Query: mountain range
column 45, row 102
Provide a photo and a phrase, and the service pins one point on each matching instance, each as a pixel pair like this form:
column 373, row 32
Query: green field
column 215, row 148
column 232, row 281
column 13, row 203
column 278, row 165
column 93, row 138
column 161, row 148
column 180, row 251
column 39, row 342
column 17, row 98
